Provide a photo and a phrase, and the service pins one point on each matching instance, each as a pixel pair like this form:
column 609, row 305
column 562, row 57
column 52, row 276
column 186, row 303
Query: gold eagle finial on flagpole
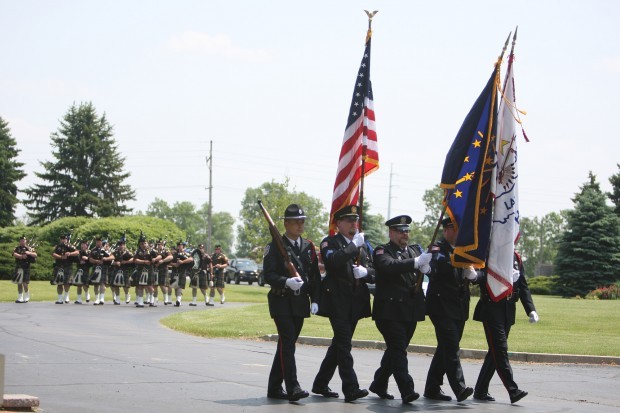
column 370, row 15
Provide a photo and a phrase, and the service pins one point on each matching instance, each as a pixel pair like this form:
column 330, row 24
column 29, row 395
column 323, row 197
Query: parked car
column 241, row 269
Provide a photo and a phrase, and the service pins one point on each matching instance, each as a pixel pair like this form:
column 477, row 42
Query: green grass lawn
column 566, row 326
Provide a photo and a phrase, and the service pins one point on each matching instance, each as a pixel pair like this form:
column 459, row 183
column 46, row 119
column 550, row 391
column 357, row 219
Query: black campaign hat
column 447, row 223
column 399, row 222
column 64, row 235
column 294, row 211
column 348, row 211
column 22, row 237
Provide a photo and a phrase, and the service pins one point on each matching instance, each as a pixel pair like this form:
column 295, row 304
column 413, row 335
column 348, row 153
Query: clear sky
column 270, row 84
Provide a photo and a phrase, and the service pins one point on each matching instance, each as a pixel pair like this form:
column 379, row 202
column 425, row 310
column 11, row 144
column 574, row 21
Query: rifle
column 277, row 239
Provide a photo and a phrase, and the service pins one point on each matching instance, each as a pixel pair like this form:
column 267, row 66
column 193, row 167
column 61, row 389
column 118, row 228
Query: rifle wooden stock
column 277, row 240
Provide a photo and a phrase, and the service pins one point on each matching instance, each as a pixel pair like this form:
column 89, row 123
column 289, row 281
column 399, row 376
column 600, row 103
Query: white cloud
column 220, row 45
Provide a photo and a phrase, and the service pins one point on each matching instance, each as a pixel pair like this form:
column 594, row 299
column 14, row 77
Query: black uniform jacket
column 341, row 296
column 283, row 302
column 448, row 292
column 395, row 284
column 504, row 311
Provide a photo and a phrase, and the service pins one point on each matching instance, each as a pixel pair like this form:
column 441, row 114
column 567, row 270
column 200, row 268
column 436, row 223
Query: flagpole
column 364, row 154
column 510, row 60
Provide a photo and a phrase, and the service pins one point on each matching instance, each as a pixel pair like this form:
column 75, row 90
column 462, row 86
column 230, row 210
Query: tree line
column 582, row 244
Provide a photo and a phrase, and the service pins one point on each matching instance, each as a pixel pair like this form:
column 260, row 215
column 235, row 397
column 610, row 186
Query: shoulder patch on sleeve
column 379, row 251
column 435, row 248
column 324, row 244
column 266, row 251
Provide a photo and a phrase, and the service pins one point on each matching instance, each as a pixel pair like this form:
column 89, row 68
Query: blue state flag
column 466, row 178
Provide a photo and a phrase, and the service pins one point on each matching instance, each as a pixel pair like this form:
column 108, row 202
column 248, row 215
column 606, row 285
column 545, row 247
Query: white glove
column 515, row 275
column 359, row 272
column 470, row 273
column 534, row 317
column 210, row 284
column 314, row 308
column 425, row 269
column 294, row 283
column 358, row 239
column 423, row 259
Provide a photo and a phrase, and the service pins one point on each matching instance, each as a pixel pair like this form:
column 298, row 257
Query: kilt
column 145, row 276
column 178, row 278
column 118, row 278
column 199, row 279
column 100, row 274
column 61, row 275
column 218, row 279
column 163, row 276
column 21, row 276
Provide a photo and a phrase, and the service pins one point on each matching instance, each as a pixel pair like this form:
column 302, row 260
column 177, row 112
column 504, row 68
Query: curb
column 467, row 353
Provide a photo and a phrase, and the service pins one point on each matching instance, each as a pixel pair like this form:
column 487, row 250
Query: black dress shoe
column 357, row 394
column 410, row 397
column 484, row 397
column 297, row 394
column 325, row 391
column 277, row 394
column 518, row 395
column 381, row 393
column 464, row 394
column 440, row 395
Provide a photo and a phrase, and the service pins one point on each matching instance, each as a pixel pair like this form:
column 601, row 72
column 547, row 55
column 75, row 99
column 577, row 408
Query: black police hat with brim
column 64, row 236
column 294, row 211
column 447, row 223
column 23, row 237
column 348, row 211
column 399, row 222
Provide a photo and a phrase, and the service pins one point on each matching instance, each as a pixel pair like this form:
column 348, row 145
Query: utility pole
column 209, row 222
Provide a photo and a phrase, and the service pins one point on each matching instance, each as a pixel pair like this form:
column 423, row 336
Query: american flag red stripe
column 359, row 142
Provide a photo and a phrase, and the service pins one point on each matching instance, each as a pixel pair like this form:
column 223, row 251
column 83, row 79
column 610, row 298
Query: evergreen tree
column 589, row 252
column 614, row 195
column 10, row 173
column 86, row 177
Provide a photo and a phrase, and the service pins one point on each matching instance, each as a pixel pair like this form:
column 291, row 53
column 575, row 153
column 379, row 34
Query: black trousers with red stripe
column 284, row 368
column 496, row 359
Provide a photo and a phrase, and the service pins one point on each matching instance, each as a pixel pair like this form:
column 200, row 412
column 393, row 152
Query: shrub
column 543, row 285
column 604, row 293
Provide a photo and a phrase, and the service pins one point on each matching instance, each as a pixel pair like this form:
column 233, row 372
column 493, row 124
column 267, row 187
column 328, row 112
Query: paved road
column 118, row 359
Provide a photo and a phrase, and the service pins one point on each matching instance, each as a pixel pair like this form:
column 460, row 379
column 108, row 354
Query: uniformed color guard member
column 398, row 305
column 497, row 318
column 345, row 299
column 290, row 299
column 447, row 305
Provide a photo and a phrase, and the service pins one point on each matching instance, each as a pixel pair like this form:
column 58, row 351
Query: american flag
column 359, row 143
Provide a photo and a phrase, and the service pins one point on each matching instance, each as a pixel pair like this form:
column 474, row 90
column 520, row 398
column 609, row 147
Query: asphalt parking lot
column 118, row 359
